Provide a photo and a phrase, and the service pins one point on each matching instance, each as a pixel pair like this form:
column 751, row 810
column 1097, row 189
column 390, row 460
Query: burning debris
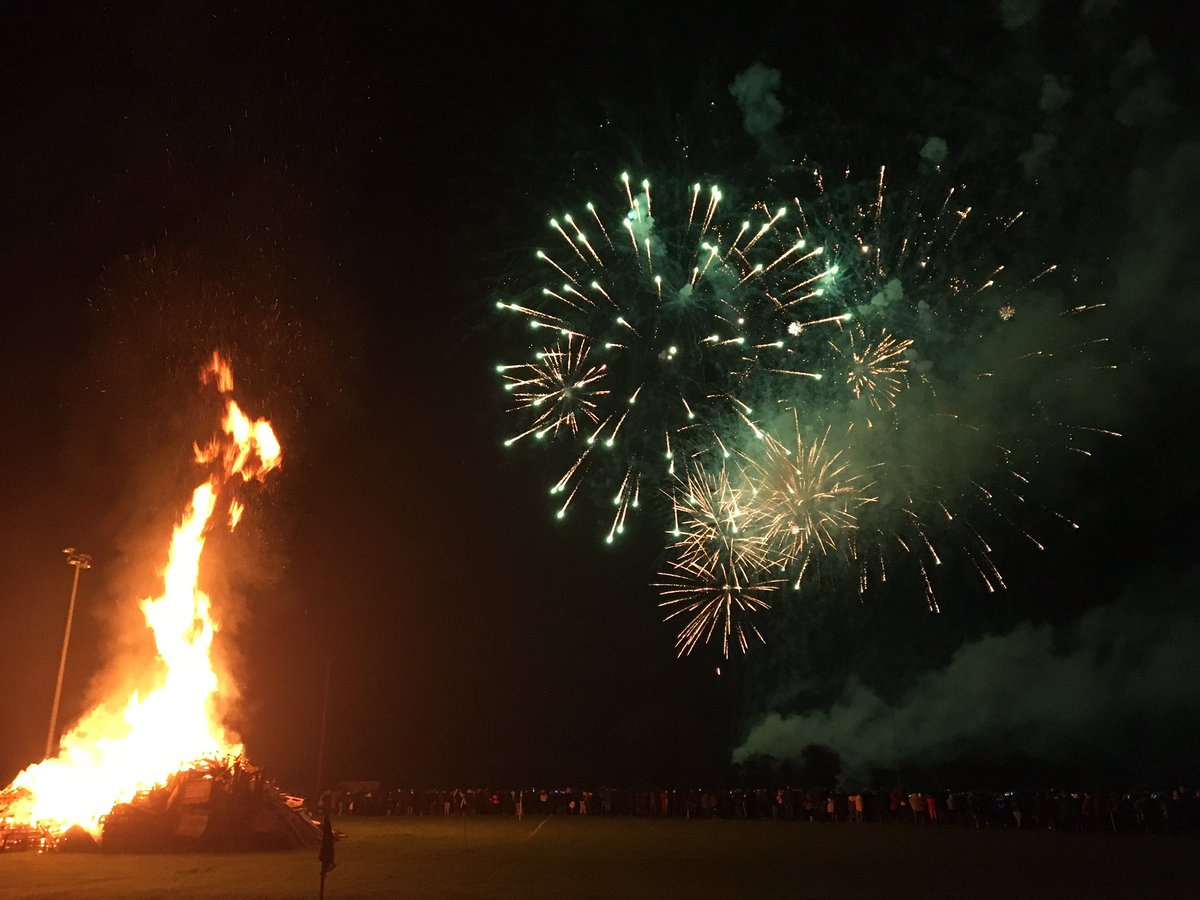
column 126, row 771
column 26, row 837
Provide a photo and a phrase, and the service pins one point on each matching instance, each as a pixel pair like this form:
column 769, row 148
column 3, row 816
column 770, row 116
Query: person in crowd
column 916, row 803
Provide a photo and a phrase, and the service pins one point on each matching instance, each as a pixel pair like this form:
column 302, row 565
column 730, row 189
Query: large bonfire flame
column 118, row 749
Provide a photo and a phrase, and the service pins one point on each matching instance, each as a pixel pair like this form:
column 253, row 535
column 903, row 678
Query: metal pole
column 79, row 561
column 896, row 753
column 324, row 719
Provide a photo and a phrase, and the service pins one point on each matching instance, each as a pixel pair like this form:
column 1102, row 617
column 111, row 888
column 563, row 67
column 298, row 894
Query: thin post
column 79, row 561
column 324, row 720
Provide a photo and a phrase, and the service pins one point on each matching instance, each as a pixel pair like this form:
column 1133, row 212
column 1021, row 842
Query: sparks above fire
column 129, row 744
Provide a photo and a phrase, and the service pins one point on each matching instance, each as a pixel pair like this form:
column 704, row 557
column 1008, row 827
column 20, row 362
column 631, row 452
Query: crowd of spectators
column 1166, row 812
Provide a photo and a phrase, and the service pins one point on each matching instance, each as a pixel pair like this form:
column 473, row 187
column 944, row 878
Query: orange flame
column 219, row 370
column 118, row 749
column 235, row 514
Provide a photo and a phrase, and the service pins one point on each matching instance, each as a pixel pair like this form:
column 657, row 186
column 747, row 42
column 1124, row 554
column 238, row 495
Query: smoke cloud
column 934, row 150
column 1017, row 13
column 754, row 90
column 1127, row 667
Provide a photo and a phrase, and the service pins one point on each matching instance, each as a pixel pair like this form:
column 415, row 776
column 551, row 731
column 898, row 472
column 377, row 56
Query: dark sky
column 335, row 197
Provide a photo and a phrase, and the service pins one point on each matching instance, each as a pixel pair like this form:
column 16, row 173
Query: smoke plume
column 1129, row 667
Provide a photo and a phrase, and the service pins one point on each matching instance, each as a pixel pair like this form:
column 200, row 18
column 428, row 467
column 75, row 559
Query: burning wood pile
column 214, row 805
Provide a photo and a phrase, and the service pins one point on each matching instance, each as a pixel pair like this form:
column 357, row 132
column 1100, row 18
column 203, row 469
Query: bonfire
column 159, row 769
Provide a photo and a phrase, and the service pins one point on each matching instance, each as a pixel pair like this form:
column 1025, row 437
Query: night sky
column 336, row 198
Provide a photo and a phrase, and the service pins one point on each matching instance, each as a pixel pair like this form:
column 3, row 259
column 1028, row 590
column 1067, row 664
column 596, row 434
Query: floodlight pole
column 79, row 561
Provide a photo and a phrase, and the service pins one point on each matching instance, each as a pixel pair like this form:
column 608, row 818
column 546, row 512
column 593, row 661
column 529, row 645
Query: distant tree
column 820, row 766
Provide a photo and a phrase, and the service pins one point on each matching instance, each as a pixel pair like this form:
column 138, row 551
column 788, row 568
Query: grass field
column 626, row 858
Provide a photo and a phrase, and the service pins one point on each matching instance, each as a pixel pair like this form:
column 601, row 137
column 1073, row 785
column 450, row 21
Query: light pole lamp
column 79, row 561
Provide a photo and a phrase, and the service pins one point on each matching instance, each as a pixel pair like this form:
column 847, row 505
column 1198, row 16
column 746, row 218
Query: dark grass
column 628, row 858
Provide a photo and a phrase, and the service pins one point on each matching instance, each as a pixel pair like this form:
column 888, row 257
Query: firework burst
column 833, row 382
column 658, row 316
column 718, row 577
column 807, row 499
column 562, row 388
column 875, row 366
